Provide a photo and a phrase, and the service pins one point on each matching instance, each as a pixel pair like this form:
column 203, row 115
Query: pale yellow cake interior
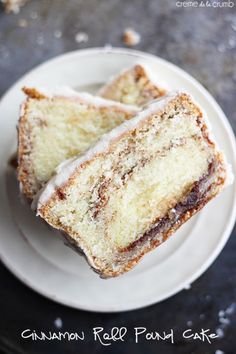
column 131, row 87
column 61, row 129
column 114, row 199
column 125, row 90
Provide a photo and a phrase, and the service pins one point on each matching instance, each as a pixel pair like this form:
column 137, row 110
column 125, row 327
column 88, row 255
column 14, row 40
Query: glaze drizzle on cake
column 57, row 126
column 133, row 86
column 135, row 187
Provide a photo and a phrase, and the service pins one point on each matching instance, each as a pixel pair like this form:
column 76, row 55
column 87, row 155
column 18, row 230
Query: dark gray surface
column 203, row 42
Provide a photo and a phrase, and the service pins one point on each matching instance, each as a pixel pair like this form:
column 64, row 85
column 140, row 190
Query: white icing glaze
column 84, row 97
column 151, row 74
column 229, row 175
column 68, row 167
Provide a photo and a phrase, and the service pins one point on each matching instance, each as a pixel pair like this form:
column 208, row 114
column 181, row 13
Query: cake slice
column 136, row 186
column 133, row 86
column 55, row 127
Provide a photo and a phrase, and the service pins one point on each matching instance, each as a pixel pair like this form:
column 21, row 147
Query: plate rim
column 228, row 229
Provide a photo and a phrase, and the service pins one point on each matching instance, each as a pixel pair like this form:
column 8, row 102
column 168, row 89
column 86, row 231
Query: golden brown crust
column 149, row 90
column 28, row 183
column 33, row 93
column 184, row 98
column 155, row 242
column 24, row 169
column 26, row 176
column 134, row 254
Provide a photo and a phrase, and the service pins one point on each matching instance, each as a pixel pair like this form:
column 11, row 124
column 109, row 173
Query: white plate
column 37, row 256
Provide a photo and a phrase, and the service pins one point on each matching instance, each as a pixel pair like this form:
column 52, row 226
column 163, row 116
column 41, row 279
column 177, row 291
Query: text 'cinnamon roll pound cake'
column 133, row 86
column 135, row 187
column 54, row 127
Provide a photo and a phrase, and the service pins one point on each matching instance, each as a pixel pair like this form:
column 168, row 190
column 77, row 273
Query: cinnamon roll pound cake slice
column 133, row 86
column 134, row 188
column 57, row 126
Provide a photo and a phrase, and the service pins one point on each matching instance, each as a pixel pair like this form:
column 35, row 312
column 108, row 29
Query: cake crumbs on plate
column 81, row 37
column 131, row 37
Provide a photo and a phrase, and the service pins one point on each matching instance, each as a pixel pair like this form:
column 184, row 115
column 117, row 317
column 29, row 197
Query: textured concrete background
column 203, row 42
column 200, row 40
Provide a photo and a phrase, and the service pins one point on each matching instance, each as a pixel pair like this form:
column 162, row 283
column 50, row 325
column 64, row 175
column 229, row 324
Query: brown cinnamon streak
column 193, row 200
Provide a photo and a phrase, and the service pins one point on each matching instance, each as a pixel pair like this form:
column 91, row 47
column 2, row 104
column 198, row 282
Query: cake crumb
column 220, row 333
column 22, row 23
column 57, row 34
column 231, row 309
column 208, row 297
column 13, row 5
column 221, row 313
column 33, row 15
column 81, row 37
column 131, row 37
column 219, row 352
column 225, row 314
column 224, row 319
column 58, row 322
column 221, row 48
column 40, row 39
